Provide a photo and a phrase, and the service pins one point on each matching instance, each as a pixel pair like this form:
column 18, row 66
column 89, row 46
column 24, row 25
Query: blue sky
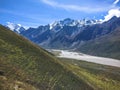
column 32, row 13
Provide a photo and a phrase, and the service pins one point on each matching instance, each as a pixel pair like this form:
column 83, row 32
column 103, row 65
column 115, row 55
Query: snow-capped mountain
column 88, row 36
column 69, row 33
column 15, row 27
column 59, row 31
column 57, row 25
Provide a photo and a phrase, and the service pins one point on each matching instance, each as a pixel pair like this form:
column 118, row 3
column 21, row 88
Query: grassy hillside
column 25, row 66
column 100, row 77
column 107, row 45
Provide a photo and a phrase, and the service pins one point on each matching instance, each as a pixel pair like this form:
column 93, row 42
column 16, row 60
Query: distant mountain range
column 67, row 28
column 87, row 36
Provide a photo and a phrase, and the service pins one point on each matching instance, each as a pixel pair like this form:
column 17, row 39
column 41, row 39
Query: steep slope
column 72, row 37
column 98, row 30
column 84, row 39
column 58, row 33
column 80, row 35
column 70, row 33
column 107, row 45
column 23, row 65
column 99, row 39
column 62, row 39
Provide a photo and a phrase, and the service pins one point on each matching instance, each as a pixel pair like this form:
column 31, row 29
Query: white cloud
column 51, row 3
column 116, row 1
column 70, row 7
column 111, row 13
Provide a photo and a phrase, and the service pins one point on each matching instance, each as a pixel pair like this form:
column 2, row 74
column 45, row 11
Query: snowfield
column 89, row 58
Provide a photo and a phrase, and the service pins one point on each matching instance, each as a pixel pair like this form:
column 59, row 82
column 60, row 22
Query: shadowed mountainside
column 95, row 39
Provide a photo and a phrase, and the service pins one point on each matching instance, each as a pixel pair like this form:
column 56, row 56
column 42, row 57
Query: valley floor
column 98, row 72
column 100, row 77
column 85, row 57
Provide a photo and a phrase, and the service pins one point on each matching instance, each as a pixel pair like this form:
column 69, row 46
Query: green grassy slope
column 107, row 45
column 101, row 77
column 24, row 65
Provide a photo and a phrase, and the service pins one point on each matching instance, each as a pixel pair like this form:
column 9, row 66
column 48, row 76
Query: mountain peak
column 15, row 27
column 114, row 18
column 72, row 22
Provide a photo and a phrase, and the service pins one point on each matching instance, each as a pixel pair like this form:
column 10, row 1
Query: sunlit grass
column 98, row 81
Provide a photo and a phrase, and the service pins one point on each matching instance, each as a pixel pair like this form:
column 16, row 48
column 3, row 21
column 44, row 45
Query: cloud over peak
column 111, row 13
